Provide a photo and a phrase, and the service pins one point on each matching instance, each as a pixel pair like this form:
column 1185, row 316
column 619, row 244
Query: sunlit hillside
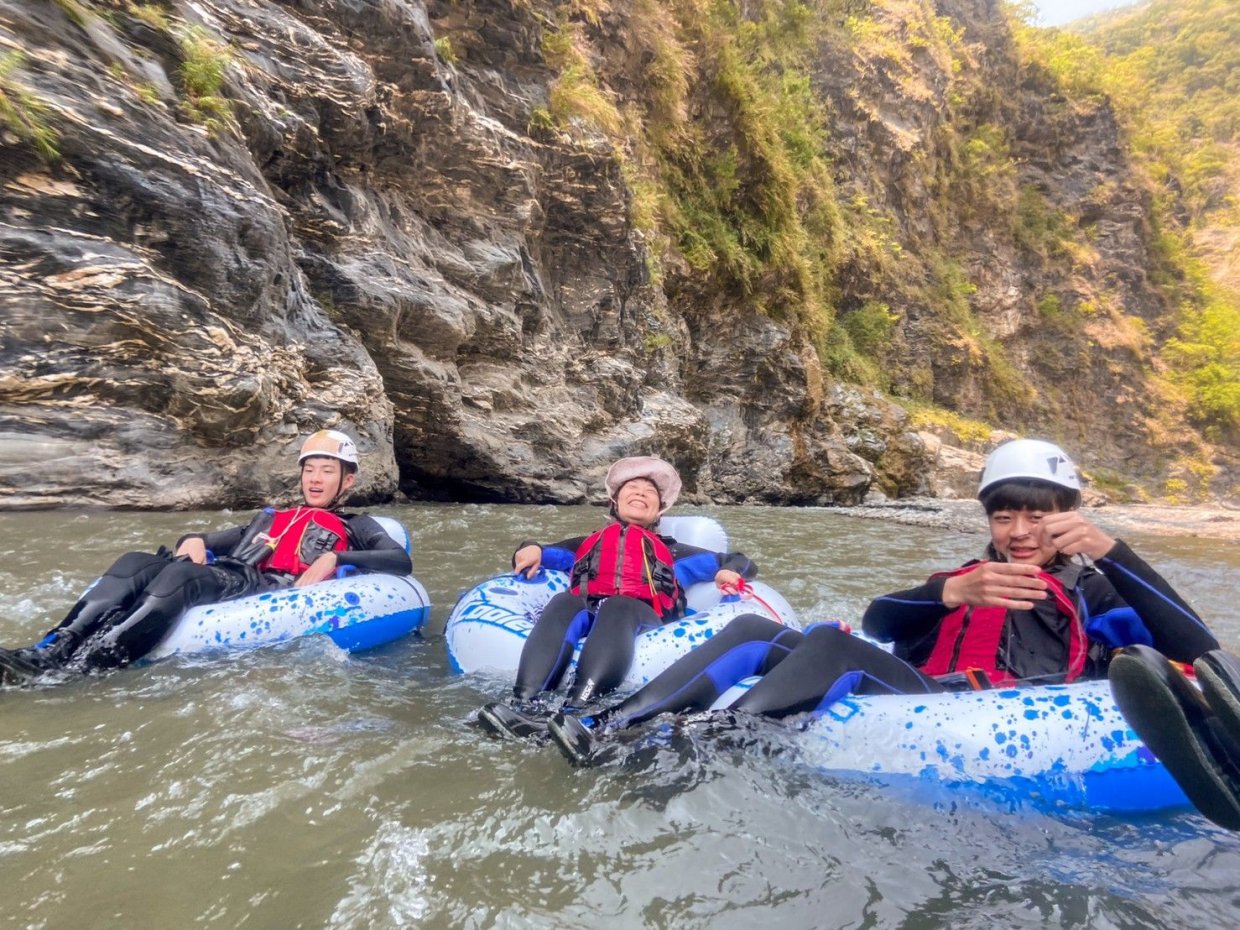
column 1172, row 68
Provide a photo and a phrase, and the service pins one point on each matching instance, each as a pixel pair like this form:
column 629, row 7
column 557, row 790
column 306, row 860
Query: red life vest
column 968, row 637
column 628, row 560
column 300, row 536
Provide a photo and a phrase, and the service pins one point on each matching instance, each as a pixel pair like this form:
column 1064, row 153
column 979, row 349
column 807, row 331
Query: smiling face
column 637, row 501
column 324, row 479
column 1017, row 536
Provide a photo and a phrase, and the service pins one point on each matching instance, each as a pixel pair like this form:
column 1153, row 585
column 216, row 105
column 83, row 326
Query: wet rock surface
column 371, row 236
column 371, row 240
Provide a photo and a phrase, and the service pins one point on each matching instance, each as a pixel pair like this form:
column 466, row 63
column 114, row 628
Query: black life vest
column 625, row 559
column 971, row 637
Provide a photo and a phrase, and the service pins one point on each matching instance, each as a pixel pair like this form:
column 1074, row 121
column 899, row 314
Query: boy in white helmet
column 132, row 606
column 1030, row 611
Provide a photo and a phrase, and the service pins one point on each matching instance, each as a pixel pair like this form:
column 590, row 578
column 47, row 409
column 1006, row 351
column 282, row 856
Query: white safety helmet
column 1030, row 458
column 658, row 472
column 330, row 443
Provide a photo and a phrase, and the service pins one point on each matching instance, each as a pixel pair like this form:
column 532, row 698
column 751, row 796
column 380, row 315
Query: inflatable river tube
column 489, row 624
column 359, row 611
column 1056, row 746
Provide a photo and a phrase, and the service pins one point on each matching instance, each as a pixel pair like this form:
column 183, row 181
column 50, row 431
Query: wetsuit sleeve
column 694, row 565
column 218, row 542
column 906, row 615
column 557, row 557
column 1175, row 628
column 371, row 549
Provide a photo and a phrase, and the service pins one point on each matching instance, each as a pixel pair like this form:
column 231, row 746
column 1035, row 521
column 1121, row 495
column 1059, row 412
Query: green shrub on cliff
column 575, row 94
column 153, row 15
column 1206, row 350
column 445, row 50
column 1038, row 228
column 973, row 433
column 22, row 113
column 76, row 12
column 203, row 69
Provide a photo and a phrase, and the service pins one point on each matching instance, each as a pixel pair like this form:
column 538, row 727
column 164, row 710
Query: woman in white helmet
column 1031, row 610
column 625, row 579
column 133, row 605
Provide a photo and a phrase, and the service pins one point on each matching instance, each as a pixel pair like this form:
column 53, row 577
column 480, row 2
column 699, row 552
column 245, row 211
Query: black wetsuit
column 136, row 601
column 1123, row 602
column 609, row 626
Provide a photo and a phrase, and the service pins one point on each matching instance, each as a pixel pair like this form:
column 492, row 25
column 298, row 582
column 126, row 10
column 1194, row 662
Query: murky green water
column 297, row 787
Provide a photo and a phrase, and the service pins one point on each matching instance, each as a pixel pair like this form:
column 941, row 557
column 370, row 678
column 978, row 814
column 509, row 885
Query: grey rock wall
column 375, row 239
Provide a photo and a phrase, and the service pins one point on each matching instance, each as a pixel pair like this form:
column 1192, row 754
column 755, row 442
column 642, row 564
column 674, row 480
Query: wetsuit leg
column 179, row 586
column 117, row 589
column 608, row 650
column 111, row 596
column 748, row 645
column 549, row 648
column 827, row 665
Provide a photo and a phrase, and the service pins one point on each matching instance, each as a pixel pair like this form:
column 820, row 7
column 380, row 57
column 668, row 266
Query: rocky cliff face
column 1026, row 294
column 364, row 226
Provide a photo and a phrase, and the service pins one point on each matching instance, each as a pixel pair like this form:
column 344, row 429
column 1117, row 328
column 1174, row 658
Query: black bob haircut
column 1028, row 494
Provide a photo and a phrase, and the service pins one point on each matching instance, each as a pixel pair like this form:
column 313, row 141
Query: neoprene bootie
column 573, row 738
column 509, row 722
column 18, row 666
column 1179, row 726
column 15, row 669
column 1218, row 673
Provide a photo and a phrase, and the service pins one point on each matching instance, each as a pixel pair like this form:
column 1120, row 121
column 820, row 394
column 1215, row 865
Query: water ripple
column 297, row 785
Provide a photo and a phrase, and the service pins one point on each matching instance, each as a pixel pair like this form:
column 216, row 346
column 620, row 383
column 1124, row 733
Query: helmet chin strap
column 341, row 490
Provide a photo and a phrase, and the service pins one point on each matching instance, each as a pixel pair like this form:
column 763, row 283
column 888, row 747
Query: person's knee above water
column 133, row 605
column 1051, row 600
column 624, row 579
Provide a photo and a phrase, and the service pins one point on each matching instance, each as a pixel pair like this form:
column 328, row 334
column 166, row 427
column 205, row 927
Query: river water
column 295, row 786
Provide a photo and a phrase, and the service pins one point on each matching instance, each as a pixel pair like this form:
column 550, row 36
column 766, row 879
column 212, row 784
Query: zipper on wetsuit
column 964, row 626
column 619, row 578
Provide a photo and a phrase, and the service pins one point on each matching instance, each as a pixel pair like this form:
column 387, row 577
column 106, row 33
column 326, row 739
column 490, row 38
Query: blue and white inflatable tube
column 360, row 611
column 1052, row 746
column 490, row 623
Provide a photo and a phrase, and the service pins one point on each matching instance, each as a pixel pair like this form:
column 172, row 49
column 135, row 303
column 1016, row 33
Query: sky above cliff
column 1058, row 12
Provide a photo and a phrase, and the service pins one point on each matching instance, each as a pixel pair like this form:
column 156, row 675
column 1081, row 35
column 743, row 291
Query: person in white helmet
column 1032, row 610
column 130, row 608
column 625, row 579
